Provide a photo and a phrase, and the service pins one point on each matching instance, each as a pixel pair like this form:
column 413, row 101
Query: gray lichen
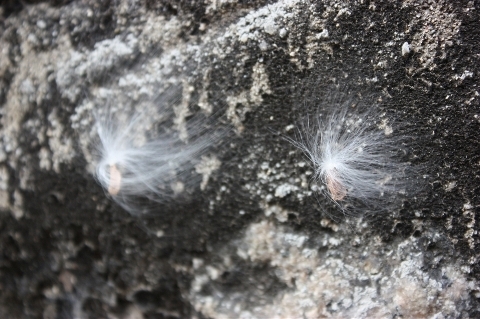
column 250, row 236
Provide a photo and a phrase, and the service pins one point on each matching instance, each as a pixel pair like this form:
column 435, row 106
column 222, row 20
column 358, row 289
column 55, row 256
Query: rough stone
column 250, row 235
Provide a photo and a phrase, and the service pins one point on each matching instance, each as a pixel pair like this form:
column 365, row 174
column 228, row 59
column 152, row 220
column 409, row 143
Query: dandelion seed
column 351, row 154
column 135, row 165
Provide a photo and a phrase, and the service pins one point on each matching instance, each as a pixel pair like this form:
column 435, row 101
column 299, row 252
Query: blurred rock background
column 249, row 238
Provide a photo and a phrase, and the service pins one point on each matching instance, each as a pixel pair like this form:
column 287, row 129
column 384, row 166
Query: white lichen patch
column 469, row 213
column 60, row 144
column 4, row 180
column 387, row 129
column 439, row 26
column 182, row 111
column 268, row 20
column 463, row 76
column 158, row 29
column 17, row 207
column 203, row 102
column 206, row 167
column 29, row 87
column 280, row 213
column 363, row 284
column 284, row 190
column 44, row 159
column 260, row 84
column 275, row 181
column 450, row 186
column 248, row 99
column 74, row 66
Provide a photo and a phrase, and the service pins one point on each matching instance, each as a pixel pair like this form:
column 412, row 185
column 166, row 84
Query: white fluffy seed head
column 352, row 155
column 136, row 166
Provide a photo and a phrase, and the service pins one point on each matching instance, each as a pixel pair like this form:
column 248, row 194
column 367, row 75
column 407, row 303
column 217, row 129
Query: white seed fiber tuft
column 137, row 166
column 351, row 154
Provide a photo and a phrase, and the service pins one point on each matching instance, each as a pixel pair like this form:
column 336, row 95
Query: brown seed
column 115, row 180
column 336, row 189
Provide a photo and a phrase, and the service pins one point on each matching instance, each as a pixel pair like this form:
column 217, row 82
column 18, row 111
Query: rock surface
column 249, row 236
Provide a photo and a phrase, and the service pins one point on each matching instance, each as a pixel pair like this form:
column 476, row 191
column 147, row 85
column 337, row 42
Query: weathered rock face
column 246, row 234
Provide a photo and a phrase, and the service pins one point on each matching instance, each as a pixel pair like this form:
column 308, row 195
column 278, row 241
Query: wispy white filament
column 136, row 164
column 353, row 154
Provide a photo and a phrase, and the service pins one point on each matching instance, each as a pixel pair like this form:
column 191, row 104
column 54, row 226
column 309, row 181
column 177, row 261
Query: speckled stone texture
column 249, row 236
